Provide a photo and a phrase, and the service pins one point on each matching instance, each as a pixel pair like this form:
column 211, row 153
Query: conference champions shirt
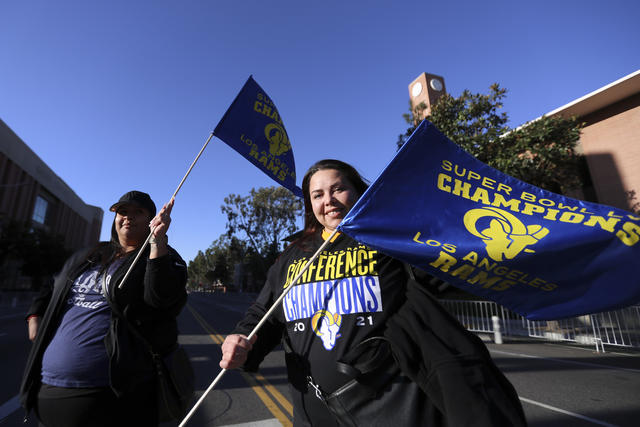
column 344, row 297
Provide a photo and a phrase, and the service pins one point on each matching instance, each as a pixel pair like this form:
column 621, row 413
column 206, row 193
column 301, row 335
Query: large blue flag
column 540, row 254
column 253, row 127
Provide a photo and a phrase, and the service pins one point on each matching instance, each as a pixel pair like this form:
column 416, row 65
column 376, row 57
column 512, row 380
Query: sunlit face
column 332, row 196
column 132, row 225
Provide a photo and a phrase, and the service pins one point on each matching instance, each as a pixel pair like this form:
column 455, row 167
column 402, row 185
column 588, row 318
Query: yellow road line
column 276, row 394
column 268, row 402
column 257, row 382
column 215, row 337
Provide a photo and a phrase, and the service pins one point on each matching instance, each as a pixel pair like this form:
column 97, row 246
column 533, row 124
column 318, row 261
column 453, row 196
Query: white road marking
column 264, row 423
column 570, row 362
column 573, row 414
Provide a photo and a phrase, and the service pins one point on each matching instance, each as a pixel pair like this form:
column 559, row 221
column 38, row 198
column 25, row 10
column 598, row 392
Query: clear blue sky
column 119, row 95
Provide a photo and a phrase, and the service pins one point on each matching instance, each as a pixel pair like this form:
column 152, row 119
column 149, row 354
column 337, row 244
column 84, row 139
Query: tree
column 256, row 227
column 541, row 152
column 217, row 262
column 39, row 252
column 13, row 236
column 265, row 217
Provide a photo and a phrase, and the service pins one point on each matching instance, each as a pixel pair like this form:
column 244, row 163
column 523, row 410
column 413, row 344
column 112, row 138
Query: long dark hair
column 104, row 253
column 311, row 224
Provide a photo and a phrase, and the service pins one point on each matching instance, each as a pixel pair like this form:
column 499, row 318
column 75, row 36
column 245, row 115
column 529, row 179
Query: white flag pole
column 146, row 242
column 274, row 306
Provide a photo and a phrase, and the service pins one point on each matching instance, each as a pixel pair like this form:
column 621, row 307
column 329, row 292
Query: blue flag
column 540, row 254
column 253, row 127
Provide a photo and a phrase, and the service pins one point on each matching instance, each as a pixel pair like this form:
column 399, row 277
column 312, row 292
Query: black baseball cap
column 137, row 198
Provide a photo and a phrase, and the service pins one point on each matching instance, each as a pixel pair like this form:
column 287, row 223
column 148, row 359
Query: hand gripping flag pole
column 274, row 306
column 146, row 242
column 250, row 126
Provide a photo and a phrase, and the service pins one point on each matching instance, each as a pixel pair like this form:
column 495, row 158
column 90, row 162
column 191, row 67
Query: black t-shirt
column 346, row 296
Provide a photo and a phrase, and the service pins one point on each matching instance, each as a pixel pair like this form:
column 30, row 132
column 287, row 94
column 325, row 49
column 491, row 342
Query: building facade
column 31, row 193
column 610, row 140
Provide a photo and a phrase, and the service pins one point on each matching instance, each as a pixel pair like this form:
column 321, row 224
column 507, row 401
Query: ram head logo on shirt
column 326, row 325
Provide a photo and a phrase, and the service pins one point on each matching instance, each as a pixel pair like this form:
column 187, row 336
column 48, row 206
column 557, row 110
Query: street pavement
column 558, row 384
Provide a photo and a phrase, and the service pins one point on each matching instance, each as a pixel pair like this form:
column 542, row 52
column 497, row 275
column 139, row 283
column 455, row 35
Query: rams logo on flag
column 253, row 127
column 543, row 255
column 506, row 235
column 278, row 139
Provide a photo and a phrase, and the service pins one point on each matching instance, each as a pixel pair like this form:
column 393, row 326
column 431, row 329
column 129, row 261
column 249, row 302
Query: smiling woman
column 336, row 320
column 332, row 196
column 87, row 366
column 131, row 225
column 128, row 225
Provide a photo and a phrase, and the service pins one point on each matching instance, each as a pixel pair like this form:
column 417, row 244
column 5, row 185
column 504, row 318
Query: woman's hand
column 33, row 322
column 159, row 226
column 235, row 349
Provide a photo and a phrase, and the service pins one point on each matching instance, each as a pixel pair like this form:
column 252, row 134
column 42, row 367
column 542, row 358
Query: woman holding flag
column 365, row 343
column 87, row 366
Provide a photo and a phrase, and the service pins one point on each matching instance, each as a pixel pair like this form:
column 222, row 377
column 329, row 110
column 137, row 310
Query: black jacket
column 151, row 299
column 450, row 364
column 350, row 282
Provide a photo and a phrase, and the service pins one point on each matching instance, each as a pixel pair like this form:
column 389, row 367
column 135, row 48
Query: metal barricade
column 614, row 328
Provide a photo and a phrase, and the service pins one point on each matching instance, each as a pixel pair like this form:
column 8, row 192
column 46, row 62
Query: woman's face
column 132, row 225
column 332, row 196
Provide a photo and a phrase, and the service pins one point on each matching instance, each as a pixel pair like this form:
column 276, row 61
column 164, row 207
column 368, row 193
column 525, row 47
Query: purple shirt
column 76, row 356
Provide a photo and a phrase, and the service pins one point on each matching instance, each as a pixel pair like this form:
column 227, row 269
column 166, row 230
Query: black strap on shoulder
column 286, row 344
column 368, row 356
column 134, row 330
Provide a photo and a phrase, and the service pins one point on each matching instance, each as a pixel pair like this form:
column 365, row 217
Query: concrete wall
column 611, row 143
column 24, row 176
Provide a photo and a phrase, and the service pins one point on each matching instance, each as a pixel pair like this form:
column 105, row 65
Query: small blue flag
column 253, row 127
column 540, row 254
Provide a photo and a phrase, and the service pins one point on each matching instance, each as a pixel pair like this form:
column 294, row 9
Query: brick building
column 30, row 192
column 610, row 140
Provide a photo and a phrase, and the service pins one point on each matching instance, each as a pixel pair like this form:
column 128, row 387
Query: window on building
column 40, row 210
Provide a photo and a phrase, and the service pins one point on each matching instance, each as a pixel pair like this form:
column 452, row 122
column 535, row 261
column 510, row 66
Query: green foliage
column 256, row 226
column 541, row 152
column 265, row 217
column 217, row 262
